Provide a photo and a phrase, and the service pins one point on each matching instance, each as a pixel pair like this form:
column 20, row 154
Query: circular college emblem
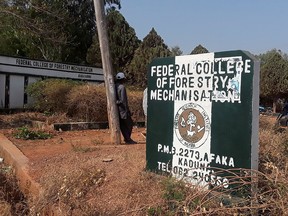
column 192, row 125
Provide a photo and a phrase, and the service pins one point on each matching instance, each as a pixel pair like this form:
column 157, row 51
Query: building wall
column 16, row 73
column 16, row 91
column 2, row 90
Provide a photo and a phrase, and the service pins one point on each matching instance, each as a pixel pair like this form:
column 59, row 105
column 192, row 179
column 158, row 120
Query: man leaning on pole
column 126, row 123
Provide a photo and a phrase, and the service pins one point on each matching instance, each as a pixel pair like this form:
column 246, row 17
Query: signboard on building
column 16, row 73
column 203, row 115
column 22, row 66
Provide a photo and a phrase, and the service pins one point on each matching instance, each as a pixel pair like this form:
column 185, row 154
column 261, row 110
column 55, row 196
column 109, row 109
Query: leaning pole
column 113, row 116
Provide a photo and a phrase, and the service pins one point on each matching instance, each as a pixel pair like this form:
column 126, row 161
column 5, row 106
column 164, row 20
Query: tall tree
column 176, row 51
column 10, row 43
column 199, row 50
column 152, row 46
column 122, row 41
column 82, row 28
column 273, row 76
column 37, row 26
column 52, row 30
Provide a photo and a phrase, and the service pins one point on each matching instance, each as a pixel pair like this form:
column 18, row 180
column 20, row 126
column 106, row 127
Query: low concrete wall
column 14, row 157
column 69, row 126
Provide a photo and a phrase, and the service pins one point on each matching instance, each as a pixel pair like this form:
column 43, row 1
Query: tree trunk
column 112, row 109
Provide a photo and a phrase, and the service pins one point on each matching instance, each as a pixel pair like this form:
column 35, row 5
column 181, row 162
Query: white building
column 16, row 73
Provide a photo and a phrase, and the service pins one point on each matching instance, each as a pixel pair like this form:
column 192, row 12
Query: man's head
column 120, row 76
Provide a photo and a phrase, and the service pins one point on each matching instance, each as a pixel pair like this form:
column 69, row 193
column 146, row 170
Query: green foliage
column 153, row 40
column 26, row 134
column 93, row 56
column 154, row 211
column 199, row 50
column 174, row 192
column 83, row 149
column 274, row 75
column 30, row 21
column 151, row 47
column 176, row 51
column 51, row 30
column 10, row 42
column 80, row 30
column 50, row 95
column 122, row 42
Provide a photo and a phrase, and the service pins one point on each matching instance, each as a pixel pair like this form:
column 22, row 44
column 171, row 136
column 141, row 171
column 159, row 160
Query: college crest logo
column 192, row 125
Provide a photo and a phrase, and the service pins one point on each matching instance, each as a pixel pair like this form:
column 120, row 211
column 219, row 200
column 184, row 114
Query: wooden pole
column 112, row 109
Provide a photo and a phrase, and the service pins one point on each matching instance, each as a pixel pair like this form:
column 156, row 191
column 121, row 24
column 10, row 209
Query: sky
column 256, row 26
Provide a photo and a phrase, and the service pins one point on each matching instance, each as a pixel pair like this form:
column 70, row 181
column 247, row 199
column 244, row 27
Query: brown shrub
column 12, row 200
column 273, row 166
column 135, row 104
column 50, row 95
column 87, row 103
column 81, row 102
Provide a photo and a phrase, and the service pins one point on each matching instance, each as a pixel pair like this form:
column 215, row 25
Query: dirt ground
column 82, row 173
column 66, row 164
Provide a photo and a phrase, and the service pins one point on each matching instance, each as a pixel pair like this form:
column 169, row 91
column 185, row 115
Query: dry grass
column 19, row 119
column 5, row 208
column 80, row 101
column 135, row 103
column 271, row 183
column 12, row 201
column 89, row 103
column 119, row 187
column 80, row 183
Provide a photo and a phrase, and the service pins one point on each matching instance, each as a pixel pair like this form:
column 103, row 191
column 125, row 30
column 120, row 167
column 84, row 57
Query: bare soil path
column 65, row 164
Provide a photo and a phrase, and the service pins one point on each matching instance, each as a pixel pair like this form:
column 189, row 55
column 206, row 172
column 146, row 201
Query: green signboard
column 203, row 116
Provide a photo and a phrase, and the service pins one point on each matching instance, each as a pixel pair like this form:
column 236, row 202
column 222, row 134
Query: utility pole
column 112, row 109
